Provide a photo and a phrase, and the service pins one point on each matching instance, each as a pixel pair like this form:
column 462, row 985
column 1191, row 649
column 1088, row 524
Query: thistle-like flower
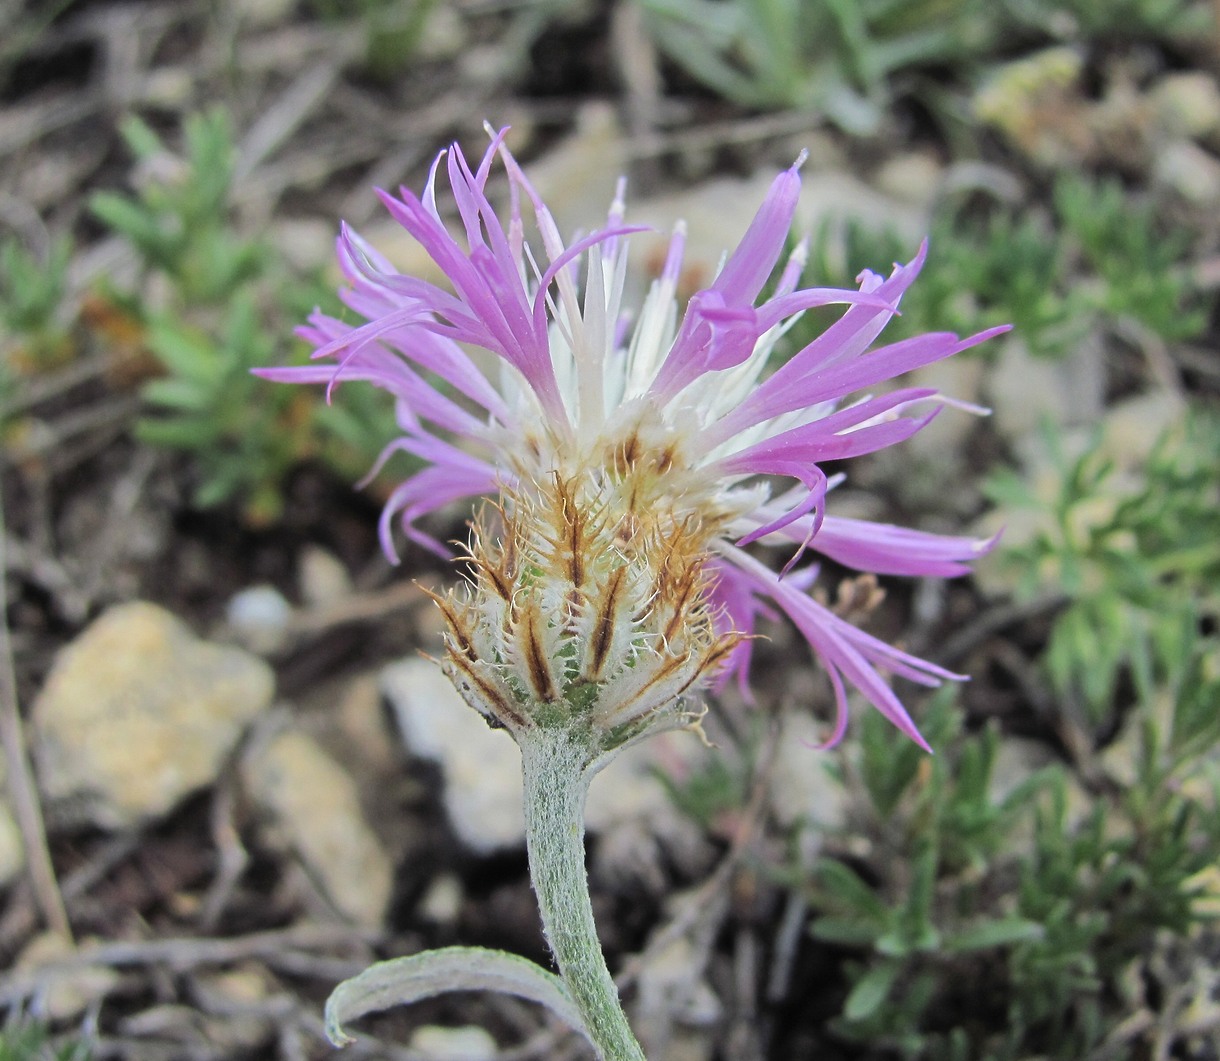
column 630, row 457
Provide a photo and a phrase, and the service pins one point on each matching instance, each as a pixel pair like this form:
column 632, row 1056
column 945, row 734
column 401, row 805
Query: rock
column 434, row 1042
column 323, row 578
column 442, row 902
column 1186, row 104
column 1189, row 171
column 12, row 849
column 482, row 768
column 803, row 789
column 1133, row 427
column 1023, row 390
column 304, row 243
column 315, row 809
column 263, row 13
column 676, row 1011
column 138, row 713
column 259, row 617
column 1037, row 103
column 914, row 177
column 961, row 379
column 362, row 721
column 68, row 993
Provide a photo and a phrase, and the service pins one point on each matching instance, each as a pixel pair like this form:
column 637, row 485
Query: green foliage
column 35, row 333
column 1171, row 20
column 227, row 297
column 999, row 915
column 718, row 787
column 244, row 440
column 1138, row 264
column 32, row 289
column 179, row 222
column 1137, row 556
column 1100, row 260
column 24, row 1039
column 1017, row 907
column 392, row 30
column 845, row 57
column 836, row 56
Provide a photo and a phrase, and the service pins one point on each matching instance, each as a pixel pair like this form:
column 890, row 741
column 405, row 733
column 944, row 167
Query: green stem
column 556, row 771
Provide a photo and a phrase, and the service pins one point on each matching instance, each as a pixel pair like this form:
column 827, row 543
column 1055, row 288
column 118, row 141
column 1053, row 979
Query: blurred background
column 231, row 778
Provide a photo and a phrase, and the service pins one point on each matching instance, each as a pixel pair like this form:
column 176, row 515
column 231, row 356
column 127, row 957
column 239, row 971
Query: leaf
column 871, row 991
column 846, row 886
column 995, row 934
column 844, row 931
column 405, row 980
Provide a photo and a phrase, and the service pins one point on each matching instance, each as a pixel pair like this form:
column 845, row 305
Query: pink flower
column 632, row 453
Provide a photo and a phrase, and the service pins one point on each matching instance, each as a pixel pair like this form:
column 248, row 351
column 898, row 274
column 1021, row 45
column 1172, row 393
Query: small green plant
column 1098, row 261
column 225, row 295
column 1138, row 263
column 931, row 913
column 836, row 56
column 1171, row 20
column 392, row 30
column 179, row 222
column 35, row 322
column 1137, row 555
column 210, row 405
column 25, row 1039
column 1033, row 906
column 32, row 292
column 1020, row 911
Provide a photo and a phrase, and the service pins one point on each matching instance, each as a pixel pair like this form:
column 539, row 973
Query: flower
column 631, row 458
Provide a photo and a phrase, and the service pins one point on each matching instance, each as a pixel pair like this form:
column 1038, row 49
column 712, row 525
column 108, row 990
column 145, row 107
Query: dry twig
column 20, row 779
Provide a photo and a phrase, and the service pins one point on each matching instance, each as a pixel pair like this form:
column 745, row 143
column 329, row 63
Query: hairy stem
column 557, row 775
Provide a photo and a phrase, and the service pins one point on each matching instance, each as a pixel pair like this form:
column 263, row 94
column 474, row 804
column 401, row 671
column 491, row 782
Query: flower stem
column 556, row 770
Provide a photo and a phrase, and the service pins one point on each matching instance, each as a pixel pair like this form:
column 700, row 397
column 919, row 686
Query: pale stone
column 259, row 617
column 1024, row 390
column 435, row 1042
column 482, row 767
column 305, row 243
column 316, row 810
column 1190, row 171
column 264, row 13
column 676, row 1012
column 138, row 713
column 803, row 790
column 323, row 578
column 442, row 902
column 69, row 993
column 1036, row 102
column 1186, row 104
column 913, row 177
column 960, row 378
column 362, row 720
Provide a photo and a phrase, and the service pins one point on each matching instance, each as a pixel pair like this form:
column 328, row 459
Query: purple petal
column 748, row 267
column 841, row 647
column 834, row 437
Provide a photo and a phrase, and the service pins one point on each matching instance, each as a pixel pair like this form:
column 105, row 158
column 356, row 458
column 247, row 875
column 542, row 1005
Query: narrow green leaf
column 990, row 934
column 871, row 991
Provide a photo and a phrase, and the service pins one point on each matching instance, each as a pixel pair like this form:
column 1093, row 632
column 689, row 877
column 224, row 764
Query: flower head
column 630, row 456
